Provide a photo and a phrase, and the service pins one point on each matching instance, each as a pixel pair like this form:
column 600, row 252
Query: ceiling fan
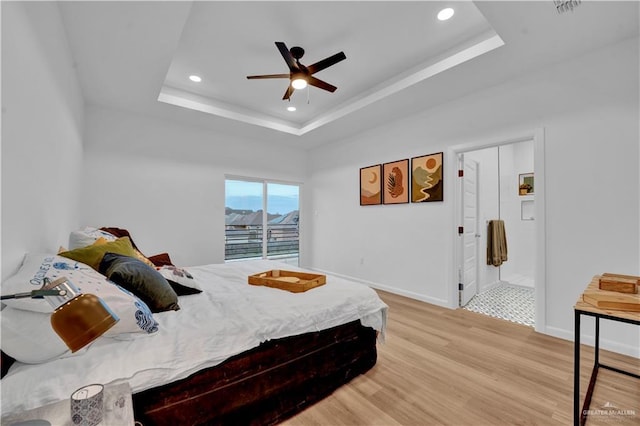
column 300, row 75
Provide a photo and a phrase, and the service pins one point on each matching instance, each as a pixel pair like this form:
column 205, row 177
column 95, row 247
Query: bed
column 233, row 354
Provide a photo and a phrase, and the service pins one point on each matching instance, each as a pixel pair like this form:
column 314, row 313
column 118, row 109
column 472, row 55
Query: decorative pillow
column 98, row 242
column 92, row 255
column 157, row 260
column 180, row 280
column 119, row 232
column 161, row 259
column 135, row 316
column 136, row 252
column 87, row 236
column 141, row 257
column 140, row 279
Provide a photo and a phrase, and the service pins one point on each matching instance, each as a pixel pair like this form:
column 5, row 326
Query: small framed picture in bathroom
column 525, row 184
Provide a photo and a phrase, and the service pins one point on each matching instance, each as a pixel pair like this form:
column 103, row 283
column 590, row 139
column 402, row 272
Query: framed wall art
column 371, row 185
column 525, row 184
column 395, row 185
column 427, row 178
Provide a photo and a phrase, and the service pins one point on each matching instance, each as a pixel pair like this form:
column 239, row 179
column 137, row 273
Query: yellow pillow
column 100, row 241
column 141, row 257
column 92, row 255
column 137, row 254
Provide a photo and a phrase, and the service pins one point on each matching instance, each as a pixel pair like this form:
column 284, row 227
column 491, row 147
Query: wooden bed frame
column 265, row 385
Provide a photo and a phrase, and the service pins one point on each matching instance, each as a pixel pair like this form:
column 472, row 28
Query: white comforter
column 228, row 317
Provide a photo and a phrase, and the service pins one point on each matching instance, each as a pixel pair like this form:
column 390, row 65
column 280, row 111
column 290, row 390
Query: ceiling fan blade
column 327, row 62
column 250, row 77
column 288, row 93
column 321, row 84
column 284, row 51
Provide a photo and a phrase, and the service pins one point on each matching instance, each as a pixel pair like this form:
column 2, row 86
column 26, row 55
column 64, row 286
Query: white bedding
column 228, row 317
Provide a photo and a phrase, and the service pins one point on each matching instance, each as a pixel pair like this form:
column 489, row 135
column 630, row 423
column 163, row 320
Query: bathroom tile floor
column 508, row 302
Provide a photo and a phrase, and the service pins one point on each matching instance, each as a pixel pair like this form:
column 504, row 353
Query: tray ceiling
column 383, row 56
column 137, row 56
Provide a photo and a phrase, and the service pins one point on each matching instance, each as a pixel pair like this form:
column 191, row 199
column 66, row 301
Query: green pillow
column 92, row 255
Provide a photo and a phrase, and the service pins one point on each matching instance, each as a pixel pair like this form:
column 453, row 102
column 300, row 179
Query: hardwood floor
column 455, row 367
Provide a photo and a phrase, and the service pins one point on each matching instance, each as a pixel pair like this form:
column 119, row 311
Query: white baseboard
column 590, row 340
column 551, row 331
column 394, row 290
column 490, row 286
column 434, row 301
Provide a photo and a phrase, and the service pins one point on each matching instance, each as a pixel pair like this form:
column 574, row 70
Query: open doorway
column 501, row 182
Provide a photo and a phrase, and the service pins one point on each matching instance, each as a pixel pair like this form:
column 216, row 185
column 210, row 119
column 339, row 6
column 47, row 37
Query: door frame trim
column 536, row 135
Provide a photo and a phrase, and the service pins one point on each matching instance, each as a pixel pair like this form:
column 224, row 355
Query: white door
column 470, row 235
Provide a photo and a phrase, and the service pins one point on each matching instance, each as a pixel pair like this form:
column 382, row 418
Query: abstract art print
column 427, row 178
column 370, row 185
column 395, row 182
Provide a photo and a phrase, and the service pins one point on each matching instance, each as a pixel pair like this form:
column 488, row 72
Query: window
column 261, row 220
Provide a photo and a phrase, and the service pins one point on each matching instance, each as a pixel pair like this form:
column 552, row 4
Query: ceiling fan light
column 299, row 83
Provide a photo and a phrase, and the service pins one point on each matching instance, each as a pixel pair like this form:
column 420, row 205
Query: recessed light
column 445, row 14
column 195, row 78
column 291, row 108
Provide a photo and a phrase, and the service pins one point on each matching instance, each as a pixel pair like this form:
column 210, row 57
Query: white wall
column 588, row 107
column 42, row 123
column 164, row 181
column 402, row 247
column 516, row 159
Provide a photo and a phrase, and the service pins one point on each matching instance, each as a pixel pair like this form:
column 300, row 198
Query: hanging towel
column 496, row 243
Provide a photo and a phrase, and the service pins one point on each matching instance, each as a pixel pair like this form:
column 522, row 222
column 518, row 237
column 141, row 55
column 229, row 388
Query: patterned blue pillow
column 135, row 316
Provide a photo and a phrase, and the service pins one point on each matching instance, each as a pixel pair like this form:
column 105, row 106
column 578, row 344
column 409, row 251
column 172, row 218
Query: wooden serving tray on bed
column 295, row 282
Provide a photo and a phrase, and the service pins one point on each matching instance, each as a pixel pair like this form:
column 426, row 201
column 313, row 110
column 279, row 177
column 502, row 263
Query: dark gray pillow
column 141, row 280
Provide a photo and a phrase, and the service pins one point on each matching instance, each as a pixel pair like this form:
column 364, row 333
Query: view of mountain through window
column 261, row 220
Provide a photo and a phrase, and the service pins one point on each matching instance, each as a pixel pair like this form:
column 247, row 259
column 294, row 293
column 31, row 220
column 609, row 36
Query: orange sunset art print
column 426, row 178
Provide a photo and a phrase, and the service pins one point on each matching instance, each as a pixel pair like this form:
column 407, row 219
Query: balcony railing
column 246, row 242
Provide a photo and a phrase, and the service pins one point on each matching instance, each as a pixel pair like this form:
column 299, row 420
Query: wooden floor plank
column 454, row 367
